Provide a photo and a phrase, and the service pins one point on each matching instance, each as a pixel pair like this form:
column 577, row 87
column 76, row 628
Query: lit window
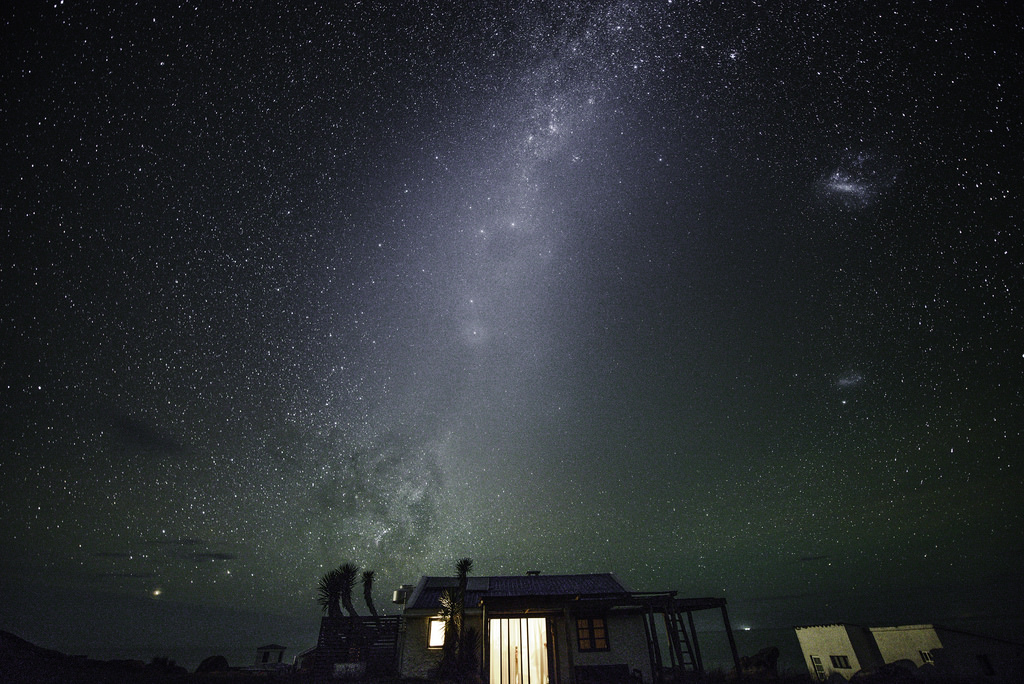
column 840, row 662
column 436, row 633
column 926, row 657
column 592, row 634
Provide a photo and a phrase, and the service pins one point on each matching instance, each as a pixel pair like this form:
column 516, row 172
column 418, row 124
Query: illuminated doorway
column 518, row 651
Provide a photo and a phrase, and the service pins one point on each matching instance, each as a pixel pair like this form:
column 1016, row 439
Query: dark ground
column 22, row 662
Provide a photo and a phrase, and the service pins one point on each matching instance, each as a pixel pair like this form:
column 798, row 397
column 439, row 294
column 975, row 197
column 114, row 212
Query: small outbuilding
column 846, row 649
column 270, row 657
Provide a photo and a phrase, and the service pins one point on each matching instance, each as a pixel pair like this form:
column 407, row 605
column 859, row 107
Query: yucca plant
column 329, row 592
column 368, row 592
column 453, row 605
column 348, row 573
column 462, row 570
column 469, row 651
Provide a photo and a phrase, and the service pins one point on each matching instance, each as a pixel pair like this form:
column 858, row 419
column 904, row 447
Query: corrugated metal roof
column 428, row 592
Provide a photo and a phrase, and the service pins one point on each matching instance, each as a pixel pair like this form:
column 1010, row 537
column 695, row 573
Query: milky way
column 720, row 298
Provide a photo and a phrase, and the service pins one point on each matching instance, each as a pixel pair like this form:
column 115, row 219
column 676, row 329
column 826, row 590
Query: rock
column 215, row 663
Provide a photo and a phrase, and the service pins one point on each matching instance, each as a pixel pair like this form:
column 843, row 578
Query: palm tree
column 348, row 572
column 329, row 592
column 368, row 596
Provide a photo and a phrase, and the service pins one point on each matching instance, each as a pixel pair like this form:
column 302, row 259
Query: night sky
column 723, row 297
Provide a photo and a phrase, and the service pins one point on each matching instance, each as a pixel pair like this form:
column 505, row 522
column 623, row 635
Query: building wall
column 972, row 656
column 627, row 642
column 824, row 641
column 955, row 654
column 906, row 642
column 417, row 659
column 865, row 647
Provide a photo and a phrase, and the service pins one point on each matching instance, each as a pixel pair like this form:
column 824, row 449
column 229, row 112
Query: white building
column 837, row 648
column 270, row 657
column 848, row 649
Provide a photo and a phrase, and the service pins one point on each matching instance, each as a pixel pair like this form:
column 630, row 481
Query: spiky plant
column 469, row 654
column 368, row 595
column 348, row 573
column 462, row 570
column 368, row 591
column 450, row 614
column 453, row 604
column 329, row 592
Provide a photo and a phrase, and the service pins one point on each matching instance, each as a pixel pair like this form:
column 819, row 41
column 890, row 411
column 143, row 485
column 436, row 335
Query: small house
column 840, row 648
column 564, row 629
column 847, row 649
column 270, row 657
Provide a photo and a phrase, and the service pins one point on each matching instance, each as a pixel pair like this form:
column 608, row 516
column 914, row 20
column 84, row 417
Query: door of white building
column 819, row 670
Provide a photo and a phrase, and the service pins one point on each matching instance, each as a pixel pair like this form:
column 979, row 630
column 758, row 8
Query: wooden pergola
column 683, row 647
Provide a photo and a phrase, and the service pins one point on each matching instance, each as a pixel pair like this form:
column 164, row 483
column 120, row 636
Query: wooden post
column 570, row 629
column 732, row 642
column 654, row 638
column 650, row 648
column 697, row 660
column 485, row 643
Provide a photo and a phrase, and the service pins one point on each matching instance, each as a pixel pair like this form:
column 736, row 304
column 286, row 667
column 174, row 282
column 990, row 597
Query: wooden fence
column 356, row 647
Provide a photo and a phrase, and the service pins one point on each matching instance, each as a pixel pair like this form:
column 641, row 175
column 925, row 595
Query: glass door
column 518, row 651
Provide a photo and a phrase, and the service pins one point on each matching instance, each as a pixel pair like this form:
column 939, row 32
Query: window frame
column 430, row 633
column 819, row 668
column 840, row 662
column 589, row 630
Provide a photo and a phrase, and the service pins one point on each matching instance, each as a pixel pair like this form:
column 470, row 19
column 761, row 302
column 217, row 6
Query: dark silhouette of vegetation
column 462, row 570
column 347, row 637
column 764, row 663
column 165, row 665
column 458, row 652
column 215, row 663
column 348, row 573
column 368, row 592
column 329, row 593
column 469, row 653
column 334, row 590
column 450, row 616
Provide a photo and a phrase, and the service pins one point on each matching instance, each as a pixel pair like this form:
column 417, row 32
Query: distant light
column 746, row 629
column 157, row 592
